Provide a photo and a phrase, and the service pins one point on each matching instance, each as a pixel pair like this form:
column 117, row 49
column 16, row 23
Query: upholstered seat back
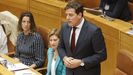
column 44, row 31
column 124, row 63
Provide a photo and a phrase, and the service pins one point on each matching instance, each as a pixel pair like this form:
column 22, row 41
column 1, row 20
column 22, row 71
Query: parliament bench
column 124, row 64
column 44, row 32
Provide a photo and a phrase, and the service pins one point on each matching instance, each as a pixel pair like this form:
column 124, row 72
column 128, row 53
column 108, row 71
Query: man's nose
column 67, row 17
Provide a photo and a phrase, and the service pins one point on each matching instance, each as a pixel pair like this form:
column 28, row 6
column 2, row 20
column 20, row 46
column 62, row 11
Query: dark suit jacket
column 118, row 9
column 90, row 47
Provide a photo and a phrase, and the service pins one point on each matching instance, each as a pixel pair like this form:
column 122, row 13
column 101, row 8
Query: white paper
column 18, row 66
column 130, row 32
column 2, row 59
column 93, row 11
column 24, row 72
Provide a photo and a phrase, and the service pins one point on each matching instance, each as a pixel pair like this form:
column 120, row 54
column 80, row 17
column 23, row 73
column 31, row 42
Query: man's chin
column 70, row 24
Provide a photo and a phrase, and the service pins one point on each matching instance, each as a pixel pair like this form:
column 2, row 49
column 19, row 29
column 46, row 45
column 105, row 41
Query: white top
column 53, row 67
column 3, row 41
column 77, row 31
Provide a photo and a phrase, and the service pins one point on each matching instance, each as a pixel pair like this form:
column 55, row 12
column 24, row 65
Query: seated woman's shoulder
column 20, row 34
column 36, row 34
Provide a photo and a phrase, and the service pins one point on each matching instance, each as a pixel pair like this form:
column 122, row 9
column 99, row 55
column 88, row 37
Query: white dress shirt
column 77, row 31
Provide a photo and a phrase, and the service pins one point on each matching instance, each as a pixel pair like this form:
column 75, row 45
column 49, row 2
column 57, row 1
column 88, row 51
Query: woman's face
column 54, row 41
column 26, row 24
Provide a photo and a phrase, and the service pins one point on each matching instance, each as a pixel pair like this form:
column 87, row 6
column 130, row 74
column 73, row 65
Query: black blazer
column 118, row 9
column 90, row 48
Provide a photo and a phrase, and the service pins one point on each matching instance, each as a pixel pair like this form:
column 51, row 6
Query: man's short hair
column 79, row 8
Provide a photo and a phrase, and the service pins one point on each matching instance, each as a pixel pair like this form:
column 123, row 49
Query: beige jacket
column 10, row 23
column 3, row 41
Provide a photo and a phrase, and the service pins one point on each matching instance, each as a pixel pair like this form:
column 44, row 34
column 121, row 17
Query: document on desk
column 1, row 59
column 130, row 32
column 16, row 67
column 24, row 72
column 93, row 11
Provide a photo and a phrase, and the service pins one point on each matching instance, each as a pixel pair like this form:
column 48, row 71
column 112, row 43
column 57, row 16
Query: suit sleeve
column 61, row 50
column 117, row 9
column 99, row 48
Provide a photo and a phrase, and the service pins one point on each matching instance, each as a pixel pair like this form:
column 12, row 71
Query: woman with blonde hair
column 55, row 65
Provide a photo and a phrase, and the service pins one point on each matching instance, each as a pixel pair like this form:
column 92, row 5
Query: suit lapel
column 68, row 32
column 81, row 36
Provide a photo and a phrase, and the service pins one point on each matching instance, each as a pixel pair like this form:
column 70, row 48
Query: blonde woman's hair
column 55, row 32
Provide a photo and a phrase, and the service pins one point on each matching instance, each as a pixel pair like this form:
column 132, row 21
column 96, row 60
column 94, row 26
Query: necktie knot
column 74, row 28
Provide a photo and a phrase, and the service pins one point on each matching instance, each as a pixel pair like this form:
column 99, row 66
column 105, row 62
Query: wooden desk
column 5, row 71
column 116, row 38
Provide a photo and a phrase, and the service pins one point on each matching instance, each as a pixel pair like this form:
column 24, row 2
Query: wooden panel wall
column 14, row 6
column 46, row 13
column 87, row 3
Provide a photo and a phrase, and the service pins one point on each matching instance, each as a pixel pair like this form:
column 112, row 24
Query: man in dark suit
column 116, row 9
column 83, row 57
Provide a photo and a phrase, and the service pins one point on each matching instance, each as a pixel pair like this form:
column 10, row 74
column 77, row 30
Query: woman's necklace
column 55, row 55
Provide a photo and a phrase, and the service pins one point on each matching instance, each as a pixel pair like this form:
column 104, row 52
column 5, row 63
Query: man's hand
column 67, row 61
column 75, row 63
column 71, row 62
column 33, row 66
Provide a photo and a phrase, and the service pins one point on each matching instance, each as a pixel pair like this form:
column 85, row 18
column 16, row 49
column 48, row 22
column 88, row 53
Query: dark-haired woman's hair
column 32, row 22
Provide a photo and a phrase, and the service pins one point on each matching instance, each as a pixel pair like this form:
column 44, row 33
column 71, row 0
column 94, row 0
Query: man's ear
column 80, row 15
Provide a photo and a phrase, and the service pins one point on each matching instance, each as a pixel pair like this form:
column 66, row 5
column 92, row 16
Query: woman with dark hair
column 29, row 46
column 116, row 9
